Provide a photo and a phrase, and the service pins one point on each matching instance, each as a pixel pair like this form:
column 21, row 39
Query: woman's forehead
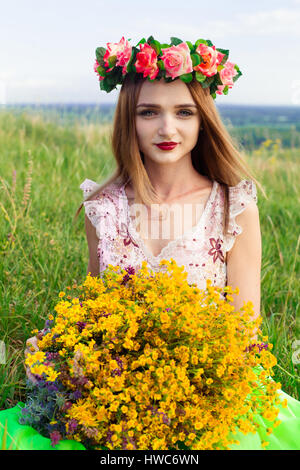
column 161, row 92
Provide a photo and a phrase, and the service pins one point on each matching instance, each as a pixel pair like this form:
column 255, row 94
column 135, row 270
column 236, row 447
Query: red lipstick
column 167, row 145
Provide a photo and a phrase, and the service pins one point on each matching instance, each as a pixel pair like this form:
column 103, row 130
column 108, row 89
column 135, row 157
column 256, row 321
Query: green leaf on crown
column 200, row 41
column 142, row 41
column 237, row 76
column 104, row 85
column 164, row 46
column 196, row 60
column 175, row 41
column 100, row 52
column 150, row 39
column 224, row 51
column 225, row 58
column 239, row 73
column 161, row 65
column 225, row 91
column 118, row 73
column 156, row 46
column 101, row 84
column 134, row 52
column 218, row 80
column 112, row 61
column 160, row 75
column 200, row 77
column 130, row 65
column 109, row 80
column 186, row 77
column 191, row 47
column 209, row 43
column 101, row 71
column 213, row 87
column 207, row 82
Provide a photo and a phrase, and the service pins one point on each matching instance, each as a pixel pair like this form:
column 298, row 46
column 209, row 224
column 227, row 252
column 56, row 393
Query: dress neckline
column 193, row 230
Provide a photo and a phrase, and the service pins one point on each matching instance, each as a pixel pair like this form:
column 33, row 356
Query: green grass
column 42, row 252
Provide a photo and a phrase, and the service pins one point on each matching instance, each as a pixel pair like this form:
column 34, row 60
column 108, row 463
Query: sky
column 47, row 49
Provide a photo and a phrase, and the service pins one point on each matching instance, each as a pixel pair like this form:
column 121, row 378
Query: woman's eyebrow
column 187, row 105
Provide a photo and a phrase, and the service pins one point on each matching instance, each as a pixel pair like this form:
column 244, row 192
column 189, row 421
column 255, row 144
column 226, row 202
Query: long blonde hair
column 216, row 154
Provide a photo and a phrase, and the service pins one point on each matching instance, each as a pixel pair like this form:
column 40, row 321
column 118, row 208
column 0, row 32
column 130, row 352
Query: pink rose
column 146, row 61
column 96, row 65
column 226, row 75
column 122, row 50
column 211, row 57
column 177, row 60
column 220, row 89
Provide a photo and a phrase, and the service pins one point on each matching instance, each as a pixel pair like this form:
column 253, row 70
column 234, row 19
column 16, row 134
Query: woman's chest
column 158, row 226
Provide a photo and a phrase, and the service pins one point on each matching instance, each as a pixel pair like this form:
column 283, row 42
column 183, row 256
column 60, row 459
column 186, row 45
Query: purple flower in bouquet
column 130, row 270
column 73, row 423
column 81, row 325
column 260, row 346
column 55, row 437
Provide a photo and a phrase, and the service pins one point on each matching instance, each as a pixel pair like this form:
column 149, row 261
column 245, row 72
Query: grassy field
column 42, row 252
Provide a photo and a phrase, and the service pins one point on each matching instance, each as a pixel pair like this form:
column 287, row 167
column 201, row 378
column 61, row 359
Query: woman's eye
column 186, row 111
column 189, row 113
column 144, row 113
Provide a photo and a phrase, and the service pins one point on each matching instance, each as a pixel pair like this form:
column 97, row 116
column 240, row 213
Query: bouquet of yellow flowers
column 143, row 360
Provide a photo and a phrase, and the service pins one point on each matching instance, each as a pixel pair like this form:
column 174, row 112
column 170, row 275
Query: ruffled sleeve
column 88, row 186
column 240, row 197
column 100, row 211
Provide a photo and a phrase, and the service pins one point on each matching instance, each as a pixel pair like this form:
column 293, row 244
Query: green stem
column 288, row 373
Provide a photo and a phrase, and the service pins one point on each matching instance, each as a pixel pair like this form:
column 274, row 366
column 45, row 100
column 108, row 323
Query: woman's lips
column 166, row 146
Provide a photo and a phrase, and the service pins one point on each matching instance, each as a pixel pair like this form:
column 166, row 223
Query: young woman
column 178, row 192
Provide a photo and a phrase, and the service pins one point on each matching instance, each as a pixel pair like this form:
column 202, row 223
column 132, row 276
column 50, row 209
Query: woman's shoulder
column 101, row 206
column 244, row 191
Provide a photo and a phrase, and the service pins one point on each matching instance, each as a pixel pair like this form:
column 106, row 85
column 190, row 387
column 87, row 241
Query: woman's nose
column 166, row 125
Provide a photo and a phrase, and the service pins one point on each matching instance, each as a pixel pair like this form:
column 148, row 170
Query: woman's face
column 166, row 112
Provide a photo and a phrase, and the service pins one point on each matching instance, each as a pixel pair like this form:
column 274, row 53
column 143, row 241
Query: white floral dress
column 201, row 250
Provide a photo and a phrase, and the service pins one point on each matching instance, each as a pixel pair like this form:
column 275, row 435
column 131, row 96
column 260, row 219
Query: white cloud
column 32, row 83
column 282, row 20
column 260, row 23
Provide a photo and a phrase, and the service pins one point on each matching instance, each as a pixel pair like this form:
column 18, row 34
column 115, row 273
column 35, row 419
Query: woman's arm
column 93, row 241
column 244, row 260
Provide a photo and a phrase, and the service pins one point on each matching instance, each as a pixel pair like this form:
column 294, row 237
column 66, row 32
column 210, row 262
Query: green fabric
column 284, row 437
column 15, row 436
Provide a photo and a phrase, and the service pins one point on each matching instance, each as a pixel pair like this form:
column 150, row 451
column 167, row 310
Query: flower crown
column 179, row 59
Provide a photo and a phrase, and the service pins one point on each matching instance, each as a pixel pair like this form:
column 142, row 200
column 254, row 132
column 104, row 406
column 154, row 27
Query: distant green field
column 42, row 165
column 252, row 125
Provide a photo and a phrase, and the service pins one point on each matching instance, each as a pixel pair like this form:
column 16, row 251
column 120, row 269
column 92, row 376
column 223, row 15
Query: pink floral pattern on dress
column 216, row 251
column 127, row 238
column 201, row 251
